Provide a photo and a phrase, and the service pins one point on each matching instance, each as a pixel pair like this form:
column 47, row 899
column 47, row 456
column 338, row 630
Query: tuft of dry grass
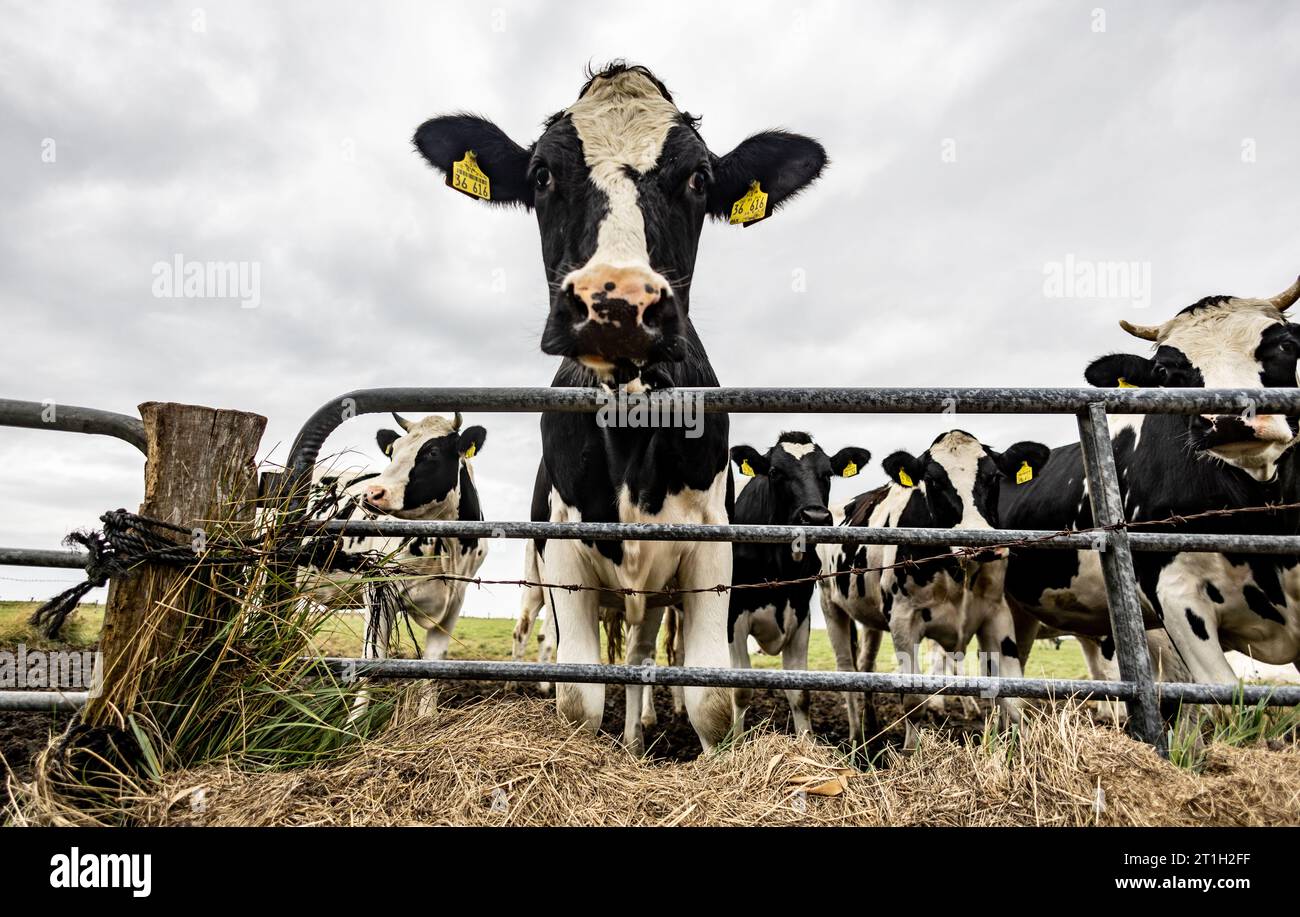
column 508, row 760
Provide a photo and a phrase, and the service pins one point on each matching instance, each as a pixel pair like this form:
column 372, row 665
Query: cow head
column 1220, row 342
column 422, row 480
column 960, row 477
column 621, row 182
column 797, row 476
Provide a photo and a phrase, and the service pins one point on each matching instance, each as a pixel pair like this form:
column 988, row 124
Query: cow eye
column 542, row 178
column 1160, row 372
column 698, row 182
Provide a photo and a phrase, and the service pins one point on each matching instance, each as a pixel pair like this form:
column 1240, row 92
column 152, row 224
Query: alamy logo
column 23, row 668
column 103, row 870
column 183, row 279
column 1077, row 278
column 660, row 410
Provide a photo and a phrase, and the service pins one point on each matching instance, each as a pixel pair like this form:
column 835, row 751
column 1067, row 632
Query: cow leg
column 738, row 650
column 1001, row 656
column 576, row 623
column 794, row 657
column 1193, row 625
column 374, row 645
column 906, row 628
column 1101, row 668
column 941, row 663
column 673, row 645
column 640, row 650
column 546, row 644
column 839, row 628
column 704, row 626
column 530, row 603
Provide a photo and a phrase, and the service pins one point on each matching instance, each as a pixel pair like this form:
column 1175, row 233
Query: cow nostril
column 815, row 515
column 576, row 304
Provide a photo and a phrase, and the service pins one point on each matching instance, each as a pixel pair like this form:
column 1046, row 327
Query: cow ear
column 1119, row 370
column 471, row 441
column 781, row 164
column 902, row 468
column 386, row 438
column 849, row 461
column 1022, row 461
column 447, row 140
column 750, row 461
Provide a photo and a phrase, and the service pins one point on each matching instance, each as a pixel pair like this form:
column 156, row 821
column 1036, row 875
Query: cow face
column 1220, row 342
column 960, row 477
column 422, row 480
column 621, row 182
column 797, row 474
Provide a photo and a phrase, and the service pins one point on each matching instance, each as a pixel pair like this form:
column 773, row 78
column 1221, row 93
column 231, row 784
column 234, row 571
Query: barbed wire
column 958, row 553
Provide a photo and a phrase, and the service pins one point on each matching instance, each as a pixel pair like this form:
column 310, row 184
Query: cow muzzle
column 603, row 315
column 1232, row 435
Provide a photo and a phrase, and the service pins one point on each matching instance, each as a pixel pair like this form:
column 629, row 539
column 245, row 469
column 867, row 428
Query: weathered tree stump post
column 200, row 465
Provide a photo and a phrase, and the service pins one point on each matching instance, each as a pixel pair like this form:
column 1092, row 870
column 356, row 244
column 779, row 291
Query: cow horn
column 1145, row 332
column 455, row 424
column 403, row 422
column 1287, row 298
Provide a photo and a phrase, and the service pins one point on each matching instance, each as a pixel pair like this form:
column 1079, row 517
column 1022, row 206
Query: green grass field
column 489, row 638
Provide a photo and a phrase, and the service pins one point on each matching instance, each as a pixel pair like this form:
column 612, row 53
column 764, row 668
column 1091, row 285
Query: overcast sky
column 974, row 148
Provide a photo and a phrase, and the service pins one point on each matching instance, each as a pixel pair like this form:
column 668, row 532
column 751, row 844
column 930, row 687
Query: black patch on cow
column 1107, row 646
column 1259, row 603
column 434, row 472
column 1009, row 648
column 1212, row 593
column 470, row 510
column 1216, row 300
column 1197, row 624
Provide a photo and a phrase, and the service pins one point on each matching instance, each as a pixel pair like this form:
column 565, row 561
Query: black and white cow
column 428, row 477
column 953, row 484
column 621, row 183
column 790, row 485
column 1180, row 465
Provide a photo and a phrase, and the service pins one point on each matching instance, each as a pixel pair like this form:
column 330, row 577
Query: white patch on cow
column 798, row 450
column 622, row 122
column 959, row 455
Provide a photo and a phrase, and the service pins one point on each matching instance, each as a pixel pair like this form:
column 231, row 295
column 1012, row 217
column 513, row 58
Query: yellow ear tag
column 473, row 448
column 751, row 208
column 468, row 178
column 850, row 470
column 904, row 478
column 388, row 450
column 1126, row 384
column 745, row 469
column 1025, row 474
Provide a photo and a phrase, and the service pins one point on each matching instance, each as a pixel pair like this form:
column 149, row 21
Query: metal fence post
column 1121, row 584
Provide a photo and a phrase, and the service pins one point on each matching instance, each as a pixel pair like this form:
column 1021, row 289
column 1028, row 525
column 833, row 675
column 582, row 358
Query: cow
column 1200, row 603
column 621, row 182
column 790, row 485
column 953, row 484
column 428, row 477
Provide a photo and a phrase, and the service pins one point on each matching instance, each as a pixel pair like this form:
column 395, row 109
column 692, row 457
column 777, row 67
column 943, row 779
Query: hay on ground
column 509, row 761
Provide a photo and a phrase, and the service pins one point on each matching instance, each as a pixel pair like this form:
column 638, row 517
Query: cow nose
column 1228, row 429
column 815, row 515
column 620, row 297
column 375, row 494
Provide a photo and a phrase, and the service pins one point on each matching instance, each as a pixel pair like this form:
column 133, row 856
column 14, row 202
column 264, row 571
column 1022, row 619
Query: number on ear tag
column 1025, row 474
column 850, row 470
column 751, row 208
column 468, row 178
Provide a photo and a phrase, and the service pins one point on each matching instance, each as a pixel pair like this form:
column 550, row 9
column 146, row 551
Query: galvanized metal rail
column 1090, row 406
column 41, row 415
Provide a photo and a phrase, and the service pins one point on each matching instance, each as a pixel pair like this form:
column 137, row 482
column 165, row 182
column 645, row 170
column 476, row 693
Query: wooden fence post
column 199, row 461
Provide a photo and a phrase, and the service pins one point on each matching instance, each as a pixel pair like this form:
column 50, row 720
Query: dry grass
column 509, row 761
